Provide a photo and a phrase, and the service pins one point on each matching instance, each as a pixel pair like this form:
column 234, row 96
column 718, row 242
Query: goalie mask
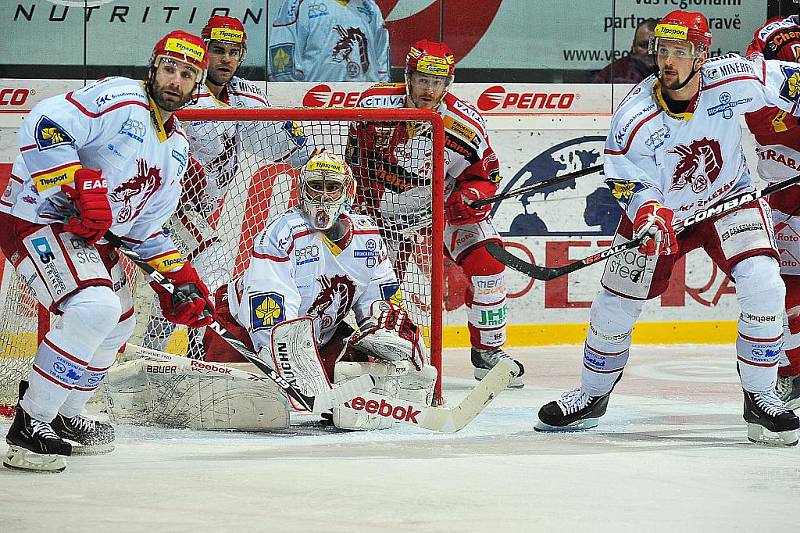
column 429, row 65
column 327, row 189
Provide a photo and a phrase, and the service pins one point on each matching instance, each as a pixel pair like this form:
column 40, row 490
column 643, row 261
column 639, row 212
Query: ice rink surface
column 671, row 454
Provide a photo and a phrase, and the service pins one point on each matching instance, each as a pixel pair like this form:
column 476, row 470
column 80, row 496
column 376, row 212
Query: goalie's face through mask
column 327, row 190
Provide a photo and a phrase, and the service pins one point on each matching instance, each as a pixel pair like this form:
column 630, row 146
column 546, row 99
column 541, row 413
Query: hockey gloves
column 393, row 337
column 458, row 208
column 653, row 224
column 191, row 304
column 90, row 197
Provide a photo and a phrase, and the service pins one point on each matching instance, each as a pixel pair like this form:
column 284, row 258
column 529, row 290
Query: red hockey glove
column 458, row 208
column 191, row 305
column 653, row 223
column 90, row 197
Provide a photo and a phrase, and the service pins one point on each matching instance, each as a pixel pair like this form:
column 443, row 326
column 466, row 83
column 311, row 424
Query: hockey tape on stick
column 546, row 273
column 536, row 186
column 316, row 404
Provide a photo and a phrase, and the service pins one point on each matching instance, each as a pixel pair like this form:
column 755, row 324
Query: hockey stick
column 547, row 273
column 537, row 186
column 316, row 404
column 441, row 419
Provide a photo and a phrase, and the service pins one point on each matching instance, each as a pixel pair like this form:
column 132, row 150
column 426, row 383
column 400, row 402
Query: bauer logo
column 496, row 98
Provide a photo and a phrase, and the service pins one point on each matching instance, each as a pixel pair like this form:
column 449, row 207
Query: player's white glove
column 390, row 335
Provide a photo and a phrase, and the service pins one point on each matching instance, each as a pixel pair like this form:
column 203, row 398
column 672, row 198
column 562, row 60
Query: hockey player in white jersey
column 388, row 176
column 216, row 150
column 328, row 40
column 320, row 261
column 106, row 157
column 674, row 148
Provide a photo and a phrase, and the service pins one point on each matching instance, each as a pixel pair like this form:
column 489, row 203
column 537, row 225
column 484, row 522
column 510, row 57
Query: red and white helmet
column 680, row 25
column 184, row 47
column 327, row 189
column 225, row 29
column 430, row 57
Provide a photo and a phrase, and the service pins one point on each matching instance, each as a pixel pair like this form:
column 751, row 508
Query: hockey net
column 250, row 163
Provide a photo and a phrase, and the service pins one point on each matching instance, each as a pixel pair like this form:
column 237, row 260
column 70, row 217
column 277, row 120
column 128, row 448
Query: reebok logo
column 384, row 409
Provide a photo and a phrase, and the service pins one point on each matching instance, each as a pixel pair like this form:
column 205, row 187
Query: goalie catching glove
column 90, row 197
column 390, row 335
column 189, row 304
column 653, row 224
column 458, row 207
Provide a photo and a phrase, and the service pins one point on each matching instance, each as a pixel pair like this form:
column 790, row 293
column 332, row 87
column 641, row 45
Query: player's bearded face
column 224, row 59
column 426, row 91
column 173, row 84
column 675, row 62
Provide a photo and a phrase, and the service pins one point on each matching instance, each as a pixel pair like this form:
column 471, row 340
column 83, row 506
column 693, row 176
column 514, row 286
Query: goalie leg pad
column 147, row 392
column 417, row 386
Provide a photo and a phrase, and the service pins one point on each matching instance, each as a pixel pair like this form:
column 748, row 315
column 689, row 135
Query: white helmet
column 327, row 189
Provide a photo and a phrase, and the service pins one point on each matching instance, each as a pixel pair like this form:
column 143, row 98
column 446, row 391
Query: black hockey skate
column 33, row 445
column 788, row 390
column 574, row 411
column 484, row 361
column 92, row 437
column 768, row 420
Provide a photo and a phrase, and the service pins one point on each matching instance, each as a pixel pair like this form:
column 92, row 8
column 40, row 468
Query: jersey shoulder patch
column 727, row 67
column 462, row 107
column 287, row 13
column 278, row 237
column 383, row 95
column 106, row 93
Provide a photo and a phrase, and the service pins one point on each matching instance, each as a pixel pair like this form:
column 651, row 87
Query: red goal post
column 261, row 187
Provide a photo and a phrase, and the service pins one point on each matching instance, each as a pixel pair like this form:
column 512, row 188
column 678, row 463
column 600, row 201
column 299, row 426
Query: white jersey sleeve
column 383, row 285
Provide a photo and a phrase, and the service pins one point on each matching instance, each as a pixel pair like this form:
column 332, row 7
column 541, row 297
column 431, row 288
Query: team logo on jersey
column 349, row 39
column 138, row 188
column 391, row 292
column 790, row 90
column 335, row 291
column 623, row 191
column 371, row 253
column 266, row 310
column 49, row 134
column 281, row 57
column 699, row 165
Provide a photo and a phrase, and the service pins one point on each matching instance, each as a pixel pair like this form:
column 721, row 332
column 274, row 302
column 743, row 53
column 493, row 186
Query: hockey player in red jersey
column 673, row 149
column 472, row 172
column 109, row 156
column 777, row 134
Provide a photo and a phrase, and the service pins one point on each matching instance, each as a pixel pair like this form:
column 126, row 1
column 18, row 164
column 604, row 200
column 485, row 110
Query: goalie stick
column 547, row 273
column 440, row 419
column 537, row 186
column 316, row 404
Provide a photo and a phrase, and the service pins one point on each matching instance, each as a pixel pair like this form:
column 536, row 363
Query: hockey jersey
column 777, row 133
column 297, row 271
column 692, row 160
column 328, row 40
column 112, row 126
column 400, row 155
